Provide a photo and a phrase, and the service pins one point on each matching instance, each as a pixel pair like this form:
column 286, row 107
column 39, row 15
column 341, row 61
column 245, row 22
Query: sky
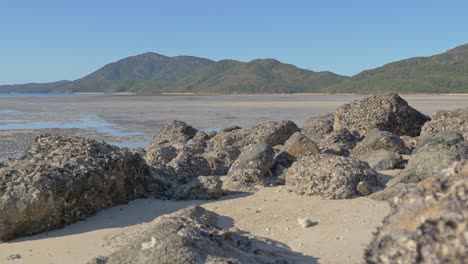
column 50, row 40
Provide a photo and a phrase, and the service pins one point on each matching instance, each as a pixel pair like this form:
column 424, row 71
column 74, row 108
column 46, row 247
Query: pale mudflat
column 340, row 230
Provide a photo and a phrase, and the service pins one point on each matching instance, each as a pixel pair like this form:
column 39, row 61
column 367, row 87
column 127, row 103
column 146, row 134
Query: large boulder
column 61, row 180
column 298, row 144
column 382, row 159
column 221, row 160
column 197, row 144
column 160, row 154
column 339, row 142
column 175, row 132
column 187, row 167
column 379, row 140
column 317, row 127
column 192, row 235
column 200, row 188
column 447, row 138
column 429, row 226
column 330, row 176
column 388, row 112
column 251, row 168
column 456, row 120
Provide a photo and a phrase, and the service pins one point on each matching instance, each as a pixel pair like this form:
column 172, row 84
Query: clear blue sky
column 51, row 40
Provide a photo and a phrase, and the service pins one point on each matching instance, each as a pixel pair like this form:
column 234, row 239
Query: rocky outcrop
column 330, row 176
column 251, row 168
column 379, row 140
column 298, row 144
column 160, row 154
column 382, row 159
column 446, row 138
column 429, row 226
column 191, row 235
column 317, row 127
column 175, row 132
column 220, row 161
column 187, row 167
column 339, row 142
column 456, row 120
column 200, row 188
column 61, row 180
column 388, row 112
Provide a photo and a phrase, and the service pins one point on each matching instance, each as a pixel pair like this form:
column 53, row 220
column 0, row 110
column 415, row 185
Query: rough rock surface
column 160, row 154
column 328, row 175
column 187, row 167
column 410, row 142
column 388, row 112
column 191, row 235
column 251, row 168
column 175, row 132
column 379, row 140
column 395, row 191
column 456, row 120
column 382, row 159
column 317, row 127
column 61, row 180
column 220, row 161
column 298, row 144
column 200, row 188
column 198, row 144
column 339, row 142
column 448, row 138
column 429, row 226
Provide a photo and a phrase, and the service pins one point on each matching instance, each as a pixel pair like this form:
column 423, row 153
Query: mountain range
column 150, row 73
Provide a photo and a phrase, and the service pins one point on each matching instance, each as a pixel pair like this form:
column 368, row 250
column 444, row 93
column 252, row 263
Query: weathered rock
column 230, row 129
column 339, row 142
column 187, row 167
column 382, row 159
column 251, row 168
column 456, row 120
column 200, row 188
column 389, row 193
column 364, row 189
column 317, row 127
column 298, row 144
column 448, row 138
column 379, row 140
column 430, row 225
column 174, row 132
column 410, row 142
column 61, row 180
column 160, row 154
column 191, row 235
column 331, row 176
column 196, row 145
column 220, row 161
column 388, row 112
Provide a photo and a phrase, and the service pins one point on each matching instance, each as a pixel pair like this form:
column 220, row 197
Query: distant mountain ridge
column 155, row 73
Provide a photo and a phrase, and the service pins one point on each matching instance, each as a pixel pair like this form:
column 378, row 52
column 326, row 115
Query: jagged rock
column 160, row 154
column 410, row 142
column 221, row 161
column 187, row 167
column 191, row 235
column 339, row 142
column 317, row 127
column 379, row 140
column 382, row 159
column 429, row 226
column 61, row 180
column 271, row 133
column 456, row 120
column 196, row 145
column 448, row 138
column 298, row 144
column 430, row 159
column 328, row 175
column 388, row 112
column 250, row 168
column 162, row 182
column 200, row 188
column 174, row 132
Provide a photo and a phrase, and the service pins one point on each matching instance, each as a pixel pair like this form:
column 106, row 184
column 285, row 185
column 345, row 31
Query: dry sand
column 340, row 232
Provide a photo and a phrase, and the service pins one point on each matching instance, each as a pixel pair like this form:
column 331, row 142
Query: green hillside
column 33, row 87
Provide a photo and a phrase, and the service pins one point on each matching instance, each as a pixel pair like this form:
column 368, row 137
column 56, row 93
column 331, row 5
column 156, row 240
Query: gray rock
column 191, row 235
column 200, row 188
column 396, row 191
column 456, row 120
column 187, row 167
column 382, row 159
column 251, row 168
column 447, row 138
column 61, row 180
column 160, row 154
column 196, row 145
column 230, row 129
column 429, row 226
column 298, row 144
column 330, row 176
column 175, row 132
column 220, row 161
column 364, row 189
column 317, row 127
column 410, row 142
column 339, row 142
column 379, row 140
column 387, row 112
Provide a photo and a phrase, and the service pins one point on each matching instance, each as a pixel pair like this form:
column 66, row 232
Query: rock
column 298, row 144
column 200, row 188
column 364, row 189
column 230, row 129
column 431, row 159
column 187, row 167
column 410, row 142
column 390, row 193
column 339, row 142
column 447, row 138
column 317, row 127
column 191, row 235
column 387, row 112
column 328, row 175
column 174, row 132
column 14, row 257
column 379, row 140
column 220, row 161
column 251, row 168
column 196, row 145
column 429, row 226
column 382, row 159
column 304, row 222
column 160, row 154
column 62, row 180
column 456, row 120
